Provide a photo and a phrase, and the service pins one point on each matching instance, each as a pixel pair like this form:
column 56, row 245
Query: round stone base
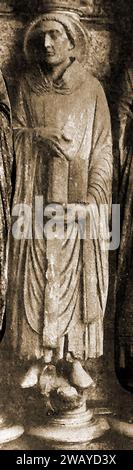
column 8, row 430
column 121, row 426
column 75, row 427
column 10, row 433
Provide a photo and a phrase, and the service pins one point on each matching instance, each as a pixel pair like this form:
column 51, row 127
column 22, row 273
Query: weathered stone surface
column 108, row 49
column 105, row 43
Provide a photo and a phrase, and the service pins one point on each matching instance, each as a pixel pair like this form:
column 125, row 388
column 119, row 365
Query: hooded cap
column 73, row 27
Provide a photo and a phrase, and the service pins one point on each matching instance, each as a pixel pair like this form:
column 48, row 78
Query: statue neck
column 56, row 72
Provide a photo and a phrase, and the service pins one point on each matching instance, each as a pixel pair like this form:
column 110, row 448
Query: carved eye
column 54, row 34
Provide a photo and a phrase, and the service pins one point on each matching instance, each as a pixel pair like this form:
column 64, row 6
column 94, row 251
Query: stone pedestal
column 121, row 425
column 9, row 431
column 77, row 426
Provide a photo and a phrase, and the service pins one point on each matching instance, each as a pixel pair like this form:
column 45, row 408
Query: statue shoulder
column 94, row 85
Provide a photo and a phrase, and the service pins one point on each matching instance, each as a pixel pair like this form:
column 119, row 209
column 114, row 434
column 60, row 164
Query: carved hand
column 41, row 134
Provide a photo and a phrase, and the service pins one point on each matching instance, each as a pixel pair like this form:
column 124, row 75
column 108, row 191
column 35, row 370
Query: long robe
column 59, row 287
column 6, row 158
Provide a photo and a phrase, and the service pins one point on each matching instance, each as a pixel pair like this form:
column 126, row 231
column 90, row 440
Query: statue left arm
column 95, row 248
column 100, row 169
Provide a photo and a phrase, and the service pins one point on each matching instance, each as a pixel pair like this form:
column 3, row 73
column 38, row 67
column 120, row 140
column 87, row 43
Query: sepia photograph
column 66, row 231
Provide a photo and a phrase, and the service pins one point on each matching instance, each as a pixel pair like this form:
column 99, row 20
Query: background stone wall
column 109, row 31
column 109, row 38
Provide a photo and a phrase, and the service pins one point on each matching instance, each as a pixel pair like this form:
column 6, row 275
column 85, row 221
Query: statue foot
column 31, row 377
column 75, row 374
column 79, row 377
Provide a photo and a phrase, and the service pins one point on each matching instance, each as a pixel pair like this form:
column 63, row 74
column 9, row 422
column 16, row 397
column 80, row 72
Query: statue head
column 58, row 45
column 57, row 34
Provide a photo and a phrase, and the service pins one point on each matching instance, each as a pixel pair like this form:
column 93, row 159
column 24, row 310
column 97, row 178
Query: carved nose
column 47, row 41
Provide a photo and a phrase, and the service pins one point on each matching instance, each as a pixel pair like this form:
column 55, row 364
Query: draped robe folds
column 59, row 287
column 6, row 158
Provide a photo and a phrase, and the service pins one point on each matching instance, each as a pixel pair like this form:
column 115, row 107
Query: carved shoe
column 31, row 377
column 74, row 373
column 79, row 377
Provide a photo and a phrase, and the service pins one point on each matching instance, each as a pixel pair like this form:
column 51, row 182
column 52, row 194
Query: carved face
column 57, row 45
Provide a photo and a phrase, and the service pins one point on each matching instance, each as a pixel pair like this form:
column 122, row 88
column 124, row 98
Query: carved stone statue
column 58, row 285
column 125, row 264
column 6, row 158
column 8, row 430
